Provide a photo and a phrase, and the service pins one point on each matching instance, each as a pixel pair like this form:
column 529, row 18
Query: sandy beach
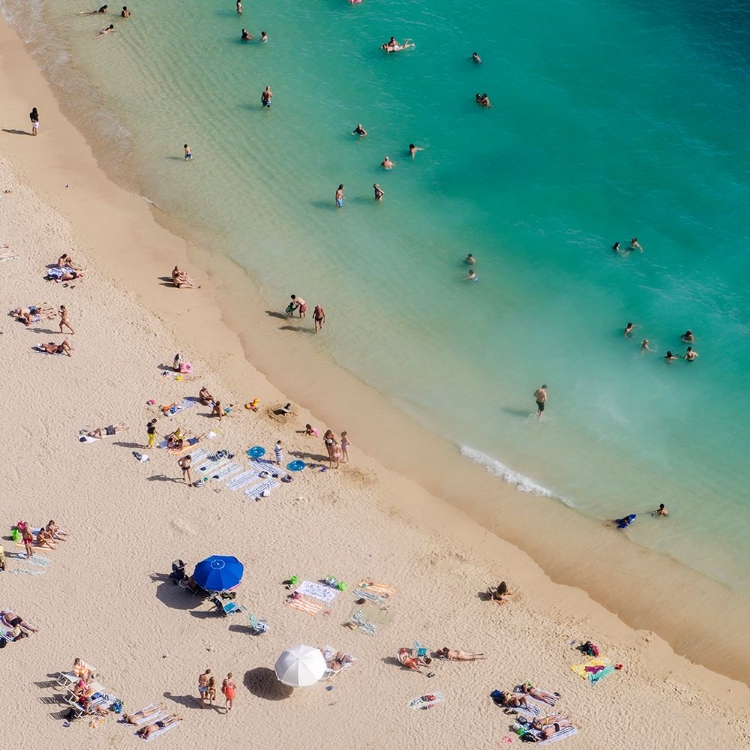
column 105, row 596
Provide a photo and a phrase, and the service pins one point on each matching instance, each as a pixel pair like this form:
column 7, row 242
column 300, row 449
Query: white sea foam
column 522, row 483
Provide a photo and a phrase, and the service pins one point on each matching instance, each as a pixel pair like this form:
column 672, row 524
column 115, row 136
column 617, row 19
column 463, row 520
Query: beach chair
column 227, row 608
column 65, row 679
column 257, row 627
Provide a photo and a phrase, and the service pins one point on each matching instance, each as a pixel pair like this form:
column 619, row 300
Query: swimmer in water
column 188, row 153
column 239, row 7
column 645, row 347
column 246, row 35
column 106, row 31
column 628, row 332
column 387, row 163
column 475, row 57
column 472, row 276
column 616, row 247
column 340, row 196
column 470, row 260
column 103, row 9
column 125, row 12
column 413, row 150
column 266, row 97
column 634, row 245
column 669, row 357
column 660, row 511
column 688, row 337
column 379, row 193
column 691, row 355
column 359, row 130
column 263, row 36
column 483, row 100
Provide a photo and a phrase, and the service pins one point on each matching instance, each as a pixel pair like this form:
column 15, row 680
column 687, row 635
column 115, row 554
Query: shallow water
column 609, row 121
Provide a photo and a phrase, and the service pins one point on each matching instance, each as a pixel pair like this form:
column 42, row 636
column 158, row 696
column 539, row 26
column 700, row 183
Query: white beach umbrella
column 300, row 666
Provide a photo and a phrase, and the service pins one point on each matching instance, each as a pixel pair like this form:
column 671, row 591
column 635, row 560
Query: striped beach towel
column 308, row 606
column 198, row 454
column 382, row 590
column 255, row 491
column 210, row 465
column 225, row 471
column 239, row 481
column 519, row 689
column 561, row 735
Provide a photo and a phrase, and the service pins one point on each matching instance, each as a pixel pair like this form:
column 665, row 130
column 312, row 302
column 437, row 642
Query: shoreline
column 457, row 480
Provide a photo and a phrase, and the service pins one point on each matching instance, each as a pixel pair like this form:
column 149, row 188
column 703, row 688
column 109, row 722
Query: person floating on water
column 660, row 511
column 266, row 97
column 669, row 357
column 623, row 523
column 616, row 247
column 393, row 46
column 106, row 31
column 483, row 101
column 246, row 35
column 475, row 57
column 634, row 245
column 103, row 9
column 340, row 196
column 645, row 347
column 628, row 332
column 359, row 130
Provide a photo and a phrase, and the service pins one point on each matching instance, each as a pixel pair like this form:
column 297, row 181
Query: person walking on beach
column 540, row 394
column 34, row 117
column 340, row 196
column 184, row 463
column 229, row 689
column 345, row 443
column 151, row 432
column 278, row 453
column 203, row 686
column 379, row 193
column 64, row 319
column 188, row 153
column 319, row 316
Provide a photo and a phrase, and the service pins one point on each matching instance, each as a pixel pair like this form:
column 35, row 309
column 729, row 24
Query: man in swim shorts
column 203, row 686
column 340, row 195
column 540, row 394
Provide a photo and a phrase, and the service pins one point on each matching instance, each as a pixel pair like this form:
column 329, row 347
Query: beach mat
column 380, row 590
column 241, row 480
column 319, row 591
column 308, row 606
column 557, row 736
column 369, row 618
column 519, row 691
column 425, row 701
column 267, row 485
column 592, row 669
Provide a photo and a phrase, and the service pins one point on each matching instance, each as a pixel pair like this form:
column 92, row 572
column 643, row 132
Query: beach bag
column 590, row 649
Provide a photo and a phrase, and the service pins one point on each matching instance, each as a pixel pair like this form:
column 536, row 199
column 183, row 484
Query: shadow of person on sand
column 275, row 314
column 311, row 456
column 165, row 478
column 263, row 683
column 296, row 329
column 130, row 445
column 13, row 131
column 392, row 661
column 188, row 701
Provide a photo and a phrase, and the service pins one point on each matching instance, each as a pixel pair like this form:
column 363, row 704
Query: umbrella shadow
column 263, row 683
column 172, row 595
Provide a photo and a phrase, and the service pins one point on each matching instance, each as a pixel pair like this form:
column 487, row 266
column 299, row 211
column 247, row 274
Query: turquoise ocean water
column 610, row 119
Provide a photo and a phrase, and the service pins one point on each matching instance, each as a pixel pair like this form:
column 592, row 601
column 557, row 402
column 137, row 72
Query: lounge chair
column 227, row 608
column 65, row 679
column 257, row 627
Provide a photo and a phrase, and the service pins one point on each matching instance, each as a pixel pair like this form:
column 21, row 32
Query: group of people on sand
column 47, row 536
column 687, row 338
column 181, row 280
column 207, row 690
column 298, row 305
column 337, row 452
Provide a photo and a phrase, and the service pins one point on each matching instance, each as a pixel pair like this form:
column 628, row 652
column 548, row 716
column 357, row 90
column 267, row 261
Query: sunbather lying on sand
column 145, row 732
column 550, row 725
column 34, row 313
column 410, row 661
column 512, row 701
column 12, row 620
column 139, row 716
column 53, row 348
column 457, row 655
column 540, row 695
column 101, row 432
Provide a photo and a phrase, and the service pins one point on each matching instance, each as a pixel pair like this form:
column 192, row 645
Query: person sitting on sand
column 33, row 313
column 56, row 531
column 310, row 430
column 53, row 348
column 140, row 716
column 221, row 411
column 181, row 280
column 407, row 659
column 66, row 260
column 205, row 397
column 541, row 695
column 458, row 655
column 145, row 732
column 101, row 432
column 511, row 700
column 44, row 539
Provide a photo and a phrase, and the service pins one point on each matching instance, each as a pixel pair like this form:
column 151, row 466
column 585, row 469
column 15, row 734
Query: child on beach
column 211, row 692
column 278, row 452
column 188, row 153
column 310, row 430
column 345, row 443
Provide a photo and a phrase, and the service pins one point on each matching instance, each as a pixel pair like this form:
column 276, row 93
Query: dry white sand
column 104, row 596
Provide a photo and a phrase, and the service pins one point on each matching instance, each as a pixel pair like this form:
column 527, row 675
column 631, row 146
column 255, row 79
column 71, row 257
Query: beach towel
column 519, row 689
column 257, row 490
column 172, row 409
column 211, row 464
column 369, row 618
column 198, row 454
column 425, row 701
column 86, row 439
column 24, row 571
column 589, row 669
column 307, row 606
column 329, row 653
column 241, row 480
column 151, row 719
column 381, row 590
column 225, row 472
column 160, row 731
column 319, row 591
column 561, row 735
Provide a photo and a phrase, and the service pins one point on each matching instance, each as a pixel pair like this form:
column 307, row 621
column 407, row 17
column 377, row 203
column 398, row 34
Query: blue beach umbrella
column 218, row 573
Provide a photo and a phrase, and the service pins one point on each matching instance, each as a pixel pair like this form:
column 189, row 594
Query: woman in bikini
column 229, row 688
column 44, row 539
column 145, row 732
column 514, row 701
column 541, row 695
column 458, row 655
column 550, row 725
column 138, row 717
column 56, row 531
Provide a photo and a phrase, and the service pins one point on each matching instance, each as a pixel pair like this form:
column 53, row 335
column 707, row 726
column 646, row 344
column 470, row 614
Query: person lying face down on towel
column 452, row 654
column 112, row 429
column 540, row 695
column 147, row 731
column 510, row 700
column 410, row 661
column 550, row 725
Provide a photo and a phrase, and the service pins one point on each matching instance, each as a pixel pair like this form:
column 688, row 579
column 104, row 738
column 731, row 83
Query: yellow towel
column 597, row 661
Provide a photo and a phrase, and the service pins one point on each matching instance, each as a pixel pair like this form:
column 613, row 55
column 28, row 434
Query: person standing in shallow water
column 319, row 316
column 379, row 193
column 340, row 196
column 540, row 394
